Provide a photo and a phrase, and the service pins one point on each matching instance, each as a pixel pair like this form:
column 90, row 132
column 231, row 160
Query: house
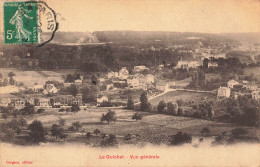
column 232, row 83
column 5, row 102
column 19, row 103
column 112, row 74
column 77, row 100
column 149, row 79
column 109, row 87
column 123, row 73
column 67, row 84
column 140, row 68
column 78, row 81
column 182, row 64
column 133, row 83
column 212, row 64
column 9, row 89
column 38, row 88
column 250, row 86
column 30, row 100
column 43, row 102
column 50, row 88
column 256, row 95
column 101, row 99
column 223, row 92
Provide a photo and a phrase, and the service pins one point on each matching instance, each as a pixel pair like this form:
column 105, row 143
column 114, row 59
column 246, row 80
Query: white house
column 5, row 102
column 133, row 83
column 78, row 81
column 123, row 73
column 43, row 102
column 250, row 86
column 256, row 95
column 149, row 79
column 112, row 74
column 37, row 88
column 212, row 65
column 101, row 99
column 223, row 92
column 140, row 68
column 109, row 87
column 231, row 83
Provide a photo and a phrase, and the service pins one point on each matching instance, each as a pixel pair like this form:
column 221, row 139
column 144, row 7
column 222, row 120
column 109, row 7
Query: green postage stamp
column 20, row 23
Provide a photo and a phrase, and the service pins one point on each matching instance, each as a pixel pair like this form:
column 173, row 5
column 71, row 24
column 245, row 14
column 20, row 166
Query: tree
column 109, row 116
column 77, row 125
column 137, row 116
column 180, row 111
column 110, row 141
column 11, row 74
column 161, row 106
column 28, row 109
column 75, row 108
column 179, row 102
column 85, row 94
column 73, row 89
column 5, row 115
column 180, row 138
column 22, row 122
column 172, row 108
column 205, row 131
column 96, row 131
column 56, row 130
column 144, row 101
column 37, row 132
column 130, row 103
column 11, row 81
column 62, row 122
column 40, row 110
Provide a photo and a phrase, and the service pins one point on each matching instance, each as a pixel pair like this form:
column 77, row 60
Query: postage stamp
column 29, row 22
column 20, row 23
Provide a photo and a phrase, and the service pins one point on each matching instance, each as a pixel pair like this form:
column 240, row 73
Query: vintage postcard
column 88, row 83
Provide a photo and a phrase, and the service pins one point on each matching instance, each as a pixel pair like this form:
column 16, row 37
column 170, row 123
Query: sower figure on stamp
column 17, row 20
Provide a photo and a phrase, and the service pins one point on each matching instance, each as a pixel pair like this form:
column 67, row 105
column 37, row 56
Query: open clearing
column 253, row 70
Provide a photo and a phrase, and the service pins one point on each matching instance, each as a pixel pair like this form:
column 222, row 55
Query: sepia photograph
column 129, row 83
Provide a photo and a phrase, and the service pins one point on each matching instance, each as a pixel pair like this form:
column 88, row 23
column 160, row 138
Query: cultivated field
column 153, row 128
column 184, row 95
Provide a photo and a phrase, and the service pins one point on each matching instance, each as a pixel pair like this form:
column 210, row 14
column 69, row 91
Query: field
column 176, row 95
column 153, row 128
column 31, row 77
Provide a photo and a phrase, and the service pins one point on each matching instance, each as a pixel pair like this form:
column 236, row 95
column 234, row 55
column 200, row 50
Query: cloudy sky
column 211, row 16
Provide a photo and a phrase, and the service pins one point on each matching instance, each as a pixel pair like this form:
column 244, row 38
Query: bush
column 127, row 137
column 238, row 132
column 161, row 106
column 180, row 138
column 96, row 131
column 205, row 131
column 172, row 108
column 106, row 104
column 137, row 116
column 40, row 110
column 109, row 116
column 109, row 142
column 180, row 112
column 179, row 102
column 62, row 110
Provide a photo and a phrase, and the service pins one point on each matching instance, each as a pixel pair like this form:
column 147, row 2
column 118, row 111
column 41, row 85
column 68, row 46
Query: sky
column 206, row 16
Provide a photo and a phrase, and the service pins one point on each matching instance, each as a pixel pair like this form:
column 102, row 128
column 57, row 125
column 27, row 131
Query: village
column 194, row 89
